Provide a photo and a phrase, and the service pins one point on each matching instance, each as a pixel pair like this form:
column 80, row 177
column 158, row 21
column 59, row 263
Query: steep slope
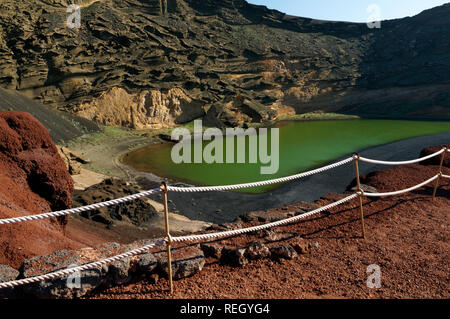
column 219, row 52
column 33, row 179
column 62, row 126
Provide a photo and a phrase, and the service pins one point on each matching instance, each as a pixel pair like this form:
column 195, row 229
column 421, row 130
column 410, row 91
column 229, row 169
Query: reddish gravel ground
column 407, row 236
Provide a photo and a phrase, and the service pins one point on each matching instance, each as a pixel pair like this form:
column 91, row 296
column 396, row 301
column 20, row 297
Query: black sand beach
column 221, row 207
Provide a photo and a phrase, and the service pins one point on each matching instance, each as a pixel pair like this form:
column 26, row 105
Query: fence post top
column 163, row 186
column 168, row 239
column 356, row 156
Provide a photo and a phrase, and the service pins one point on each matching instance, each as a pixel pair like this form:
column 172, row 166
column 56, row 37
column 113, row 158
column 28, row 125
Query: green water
column 302, row 146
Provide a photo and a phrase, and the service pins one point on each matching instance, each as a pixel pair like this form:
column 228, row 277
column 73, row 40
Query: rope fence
column 372, row 161
column 79, row 209
column 240, row 231
column 261, row 183
column 407, row 190
column 201, row 237
column 89, row 266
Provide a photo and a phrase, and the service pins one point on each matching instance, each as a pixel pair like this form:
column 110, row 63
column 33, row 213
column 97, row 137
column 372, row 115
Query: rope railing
column 407, row 190
column 69, row 271
column 77, row 210
column 169, row 239
column 260, row 183
column 372, row 161
column 65, row 272
column 240, row 231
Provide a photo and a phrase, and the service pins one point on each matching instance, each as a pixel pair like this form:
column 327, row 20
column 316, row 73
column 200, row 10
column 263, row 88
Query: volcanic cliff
column 235, row 62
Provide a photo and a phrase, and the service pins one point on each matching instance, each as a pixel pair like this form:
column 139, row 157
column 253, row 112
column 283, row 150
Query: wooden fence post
column 169, row 241
column 360, row 193
column 436, row 184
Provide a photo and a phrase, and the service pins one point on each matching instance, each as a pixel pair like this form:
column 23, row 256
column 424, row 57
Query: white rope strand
column 368, row 160
column 445, row 176
column 64, row 272
column 77, row 210
column 255, row 184
column 260, row 227
column 403, row 190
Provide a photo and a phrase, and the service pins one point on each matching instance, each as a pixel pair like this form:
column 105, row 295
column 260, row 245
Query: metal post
column 169, row 242
column 436, row 184
column 360, row 193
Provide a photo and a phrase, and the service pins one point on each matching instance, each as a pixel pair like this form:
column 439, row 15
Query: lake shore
column 221, row 207
column 298, row 146
column 106, row 149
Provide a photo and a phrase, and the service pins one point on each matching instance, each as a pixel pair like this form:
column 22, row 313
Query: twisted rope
column 368, row 160
column 261, row 227
column 69, row 271
column 445, row 176
column 255, row 184
column 79, row 209
column 403, row 190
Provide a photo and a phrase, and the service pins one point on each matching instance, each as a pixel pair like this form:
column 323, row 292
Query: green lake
column 302, row 146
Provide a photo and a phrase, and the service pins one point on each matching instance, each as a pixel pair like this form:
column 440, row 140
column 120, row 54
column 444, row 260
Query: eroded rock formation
column 144, row 110
column 211, row 51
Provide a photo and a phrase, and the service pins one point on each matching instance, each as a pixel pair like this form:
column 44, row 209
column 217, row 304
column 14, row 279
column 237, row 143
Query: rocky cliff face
column 174, row 59
column 144, row 110
column 33, row 179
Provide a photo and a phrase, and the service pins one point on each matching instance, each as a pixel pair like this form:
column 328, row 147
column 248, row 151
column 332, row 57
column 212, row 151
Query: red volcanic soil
column 407, row 236
column 437, row 159
column 33, row 179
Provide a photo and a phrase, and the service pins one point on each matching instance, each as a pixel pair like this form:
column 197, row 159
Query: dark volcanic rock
column 301, row 246
column 115, row 273
column 147, row 263
column 186, row 262
column 211, row 250
column 257, row 250
column 234, row 257
column 118, row 272
column 8, row 273
column 136, row 212
column 69, row 286
column 284, row 251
